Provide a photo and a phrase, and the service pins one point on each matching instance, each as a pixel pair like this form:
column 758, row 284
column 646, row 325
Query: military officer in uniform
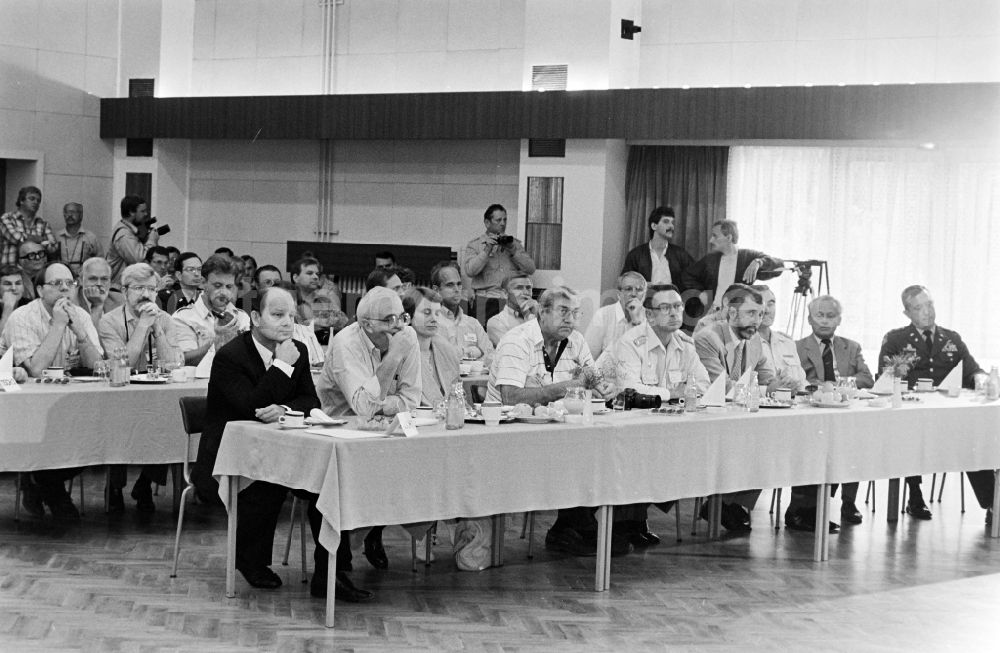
column 938, row 350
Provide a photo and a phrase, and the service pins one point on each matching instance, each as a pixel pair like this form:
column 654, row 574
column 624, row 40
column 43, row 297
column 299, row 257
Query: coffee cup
column 925, row 385
column 178, row 375
column 475, row 367
column 464, row 368
column 782, row 394
column 190, row 372
column 52, row 373
column 491, row 413
column 292, row 419
column 424, row 412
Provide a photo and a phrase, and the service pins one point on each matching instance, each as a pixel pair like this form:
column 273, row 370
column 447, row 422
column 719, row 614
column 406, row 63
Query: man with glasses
column 187, row 273
column 94, row 293
column 212, row 320
column 534, row 364
column 31, row 257
column 145, row 332
column 730, row 349
column 611, row 321
column 372, row 370
column 519, row 309
column 52, row 331
column 24, row 224
column 76, row 244
column 461, row 330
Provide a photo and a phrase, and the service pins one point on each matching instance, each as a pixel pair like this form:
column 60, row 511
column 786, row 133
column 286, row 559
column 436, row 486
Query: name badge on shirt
column 674, row 376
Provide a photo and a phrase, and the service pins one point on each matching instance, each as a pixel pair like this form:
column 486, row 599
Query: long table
column 48, row 426
column 623, row 458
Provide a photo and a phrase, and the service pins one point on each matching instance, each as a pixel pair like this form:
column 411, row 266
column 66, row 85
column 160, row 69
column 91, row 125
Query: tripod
column 799, row 313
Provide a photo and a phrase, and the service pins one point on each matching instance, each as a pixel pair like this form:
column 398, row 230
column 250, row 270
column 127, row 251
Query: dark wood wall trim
column 918, row 112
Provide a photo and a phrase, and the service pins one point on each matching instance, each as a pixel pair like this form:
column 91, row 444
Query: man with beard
column 144, row 331
column 94, row 293
column 729, row 349
column 212, row 319
column 131, row 237
column 461, row 330
column 76, row 244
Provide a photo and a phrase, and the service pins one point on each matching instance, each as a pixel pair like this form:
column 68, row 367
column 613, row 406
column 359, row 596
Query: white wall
column 796, row 42
column 56, row 60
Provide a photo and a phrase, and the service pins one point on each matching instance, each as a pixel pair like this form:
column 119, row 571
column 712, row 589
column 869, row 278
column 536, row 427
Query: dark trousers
column 51, row 482
column 483, row 308
column 153, row 473
column 804, row 496
column 582, row 519
column 982, row 484
column 258, row 508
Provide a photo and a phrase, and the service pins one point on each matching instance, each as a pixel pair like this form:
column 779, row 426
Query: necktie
column 929, row 339
column 738, row 362
column 828, row 372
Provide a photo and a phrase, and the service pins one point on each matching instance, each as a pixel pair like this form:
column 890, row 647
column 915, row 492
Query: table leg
column 234, row 487
column 602, row 574
column 995, row 526
column 499, row 525
column 893, row 495
column 714, row 516
column 821, row 534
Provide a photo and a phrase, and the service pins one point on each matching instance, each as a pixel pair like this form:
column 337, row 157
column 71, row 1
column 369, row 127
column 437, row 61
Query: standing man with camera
column 489, row 259
column 131, row 237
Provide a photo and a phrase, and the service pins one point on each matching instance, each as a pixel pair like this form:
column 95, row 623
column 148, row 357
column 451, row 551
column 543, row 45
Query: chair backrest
column 478, row 393
column 193, row 414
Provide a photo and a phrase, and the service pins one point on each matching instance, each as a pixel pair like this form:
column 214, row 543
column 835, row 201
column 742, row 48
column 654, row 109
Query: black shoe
column 804, row 520
column 638, row 534
column 261, row 577
column 989, row 516
column 568, row 540
column 849, row 513
column 208, row 499
column 344, row 590
column 917, row 510
column 143, row 495
column 116, row 502
column 61, row 505
column 735, row 518
column 31, row 498
column 374, row 551
column 703, row 512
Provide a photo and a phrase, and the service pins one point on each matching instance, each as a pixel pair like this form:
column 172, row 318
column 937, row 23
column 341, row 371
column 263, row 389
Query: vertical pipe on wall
column 324, row 221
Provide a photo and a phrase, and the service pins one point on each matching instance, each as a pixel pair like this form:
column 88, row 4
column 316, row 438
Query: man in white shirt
column 656, row 357
column 780, row 347
column 212, row 319
column 611, row 321
column 94, row 293
column 520, row 307
column 461, row 330
column 372, row 370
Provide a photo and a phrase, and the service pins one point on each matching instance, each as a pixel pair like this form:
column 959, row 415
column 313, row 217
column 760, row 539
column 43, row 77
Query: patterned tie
column 828, row 372
column 929, row 339
column 738, row 362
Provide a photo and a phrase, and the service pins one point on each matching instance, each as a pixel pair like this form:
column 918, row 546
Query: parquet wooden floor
column 104, row 586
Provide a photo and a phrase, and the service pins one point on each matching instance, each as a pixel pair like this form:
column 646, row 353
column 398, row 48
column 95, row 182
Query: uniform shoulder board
column 640, row 341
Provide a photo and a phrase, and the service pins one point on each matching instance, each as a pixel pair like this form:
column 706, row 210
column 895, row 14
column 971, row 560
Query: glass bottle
column 455, row 415
column 690, row 396
column 119, row 368
column 993, row 384
column 753, row 395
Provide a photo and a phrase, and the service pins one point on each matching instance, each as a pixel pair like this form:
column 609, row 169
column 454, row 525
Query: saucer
column 289, row 426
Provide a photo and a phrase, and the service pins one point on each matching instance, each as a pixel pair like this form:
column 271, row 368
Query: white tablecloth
column 48, row 426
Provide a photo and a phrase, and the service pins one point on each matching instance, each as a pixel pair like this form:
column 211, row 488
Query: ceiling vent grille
column 549, row 78
column 140, row 87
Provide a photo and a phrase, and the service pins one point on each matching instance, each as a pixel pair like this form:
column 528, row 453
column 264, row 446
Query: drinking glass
column 102, row 370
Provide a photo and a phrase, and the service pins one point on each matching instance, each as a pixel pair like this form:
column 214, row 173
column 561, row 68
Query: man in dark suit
column 261, row 375
column 726, row 264
column 824, row 355
column 938, row 351
column 659, row 261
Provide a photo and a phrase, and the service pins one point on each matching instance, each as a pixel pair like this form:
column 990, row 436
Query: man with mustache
column 94, row 293
column 145, row 331
column 659, row 261
column 212, row 319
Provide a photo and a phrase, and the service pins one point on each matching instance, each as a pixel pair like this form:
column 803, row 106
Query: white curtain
column 883, row 218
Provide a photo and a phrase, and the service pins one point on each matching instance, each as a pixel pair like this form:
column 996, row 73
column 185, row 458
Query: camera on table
column 629, row 399
column 504, row 240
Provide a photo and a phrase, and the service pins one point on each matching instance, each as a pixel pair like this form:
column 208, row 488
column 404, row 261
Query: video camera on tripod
column 804, row 270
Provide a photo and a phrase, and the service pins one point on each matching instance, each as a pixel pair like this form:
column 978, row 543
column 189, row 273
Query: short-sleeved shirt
column 606, row 327
column 196, row 324
column 498, row 325
column 493, row 267
column 15, row 229
column 124, row 250
column 118, row 326
column 28, row 326
column 519, row 360
column 785, row 357
column 463, row 331
column 649, row 367
column 74, row 250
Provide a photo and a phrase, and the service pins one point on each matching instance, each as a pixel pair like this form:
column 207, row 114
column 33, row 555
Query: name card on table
column 953, row 382
column 404, row 421
column 7, row 382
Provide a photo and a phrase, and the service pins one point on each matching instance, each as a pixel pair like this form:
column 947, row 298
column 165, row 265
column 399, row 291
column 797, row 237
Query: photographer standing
column 489, row 259
column 131, row 237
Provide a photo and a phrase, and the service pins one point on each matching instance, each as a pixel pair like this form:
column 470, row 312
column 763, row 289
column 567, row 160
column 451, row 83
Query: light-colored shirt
column 349, row 384
column 305, row 334
column 117, row 327
column 727, row 277
column 606, row 327
column 649, row 367
column 660, row 272
column 487, row 269
column 196, row 324
column 267, row 357
column 27, row 327
column 74, row 250
column 785, row 358
column 519, row 360
column 125, row 249
column 498, row 325
column 15, row 229
column 463, row 331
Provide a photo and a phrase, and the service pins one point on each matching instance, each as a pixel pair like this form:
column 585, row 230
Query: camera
column 162, row 229
column 504, row 240
column 630, row 399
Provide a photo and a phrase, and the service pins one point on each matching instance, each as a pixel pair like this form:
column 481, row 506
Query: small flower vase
column 897, row 392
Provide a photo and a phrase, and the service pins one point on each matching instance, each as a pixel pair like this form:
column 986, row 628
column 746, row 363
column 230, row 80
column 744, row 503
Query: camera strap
column 550, row 364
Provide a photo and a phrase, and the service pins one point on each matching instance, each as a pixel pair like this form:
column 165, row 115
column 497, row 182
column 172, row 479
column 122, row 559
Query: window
column 543, row 233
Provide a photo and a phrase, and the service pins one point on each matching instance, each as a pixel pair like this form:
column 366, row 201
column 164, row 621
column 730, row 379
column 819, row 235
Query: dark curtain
column 691, row 179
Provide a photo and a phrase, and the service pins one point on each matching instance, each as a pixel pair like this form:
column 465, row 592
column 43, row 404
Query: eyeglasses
column 668, row 308
column 564, row 312
column 191, row 269
column 393, row 320
column 633, row 290
column 323, row 315
column 61, row 283
column 34, row 256
column 142, row 289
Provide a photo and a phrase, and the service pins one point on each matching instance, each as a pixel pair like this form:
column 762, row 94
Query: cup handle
column 281, row 420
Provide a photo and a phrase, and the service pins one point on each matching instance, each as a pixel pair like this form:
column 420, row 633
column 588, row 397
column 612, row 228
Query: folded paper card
column 954, row 379
column 883, row 385
column 204, row 369
column 7, row 383
column 716, row 393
